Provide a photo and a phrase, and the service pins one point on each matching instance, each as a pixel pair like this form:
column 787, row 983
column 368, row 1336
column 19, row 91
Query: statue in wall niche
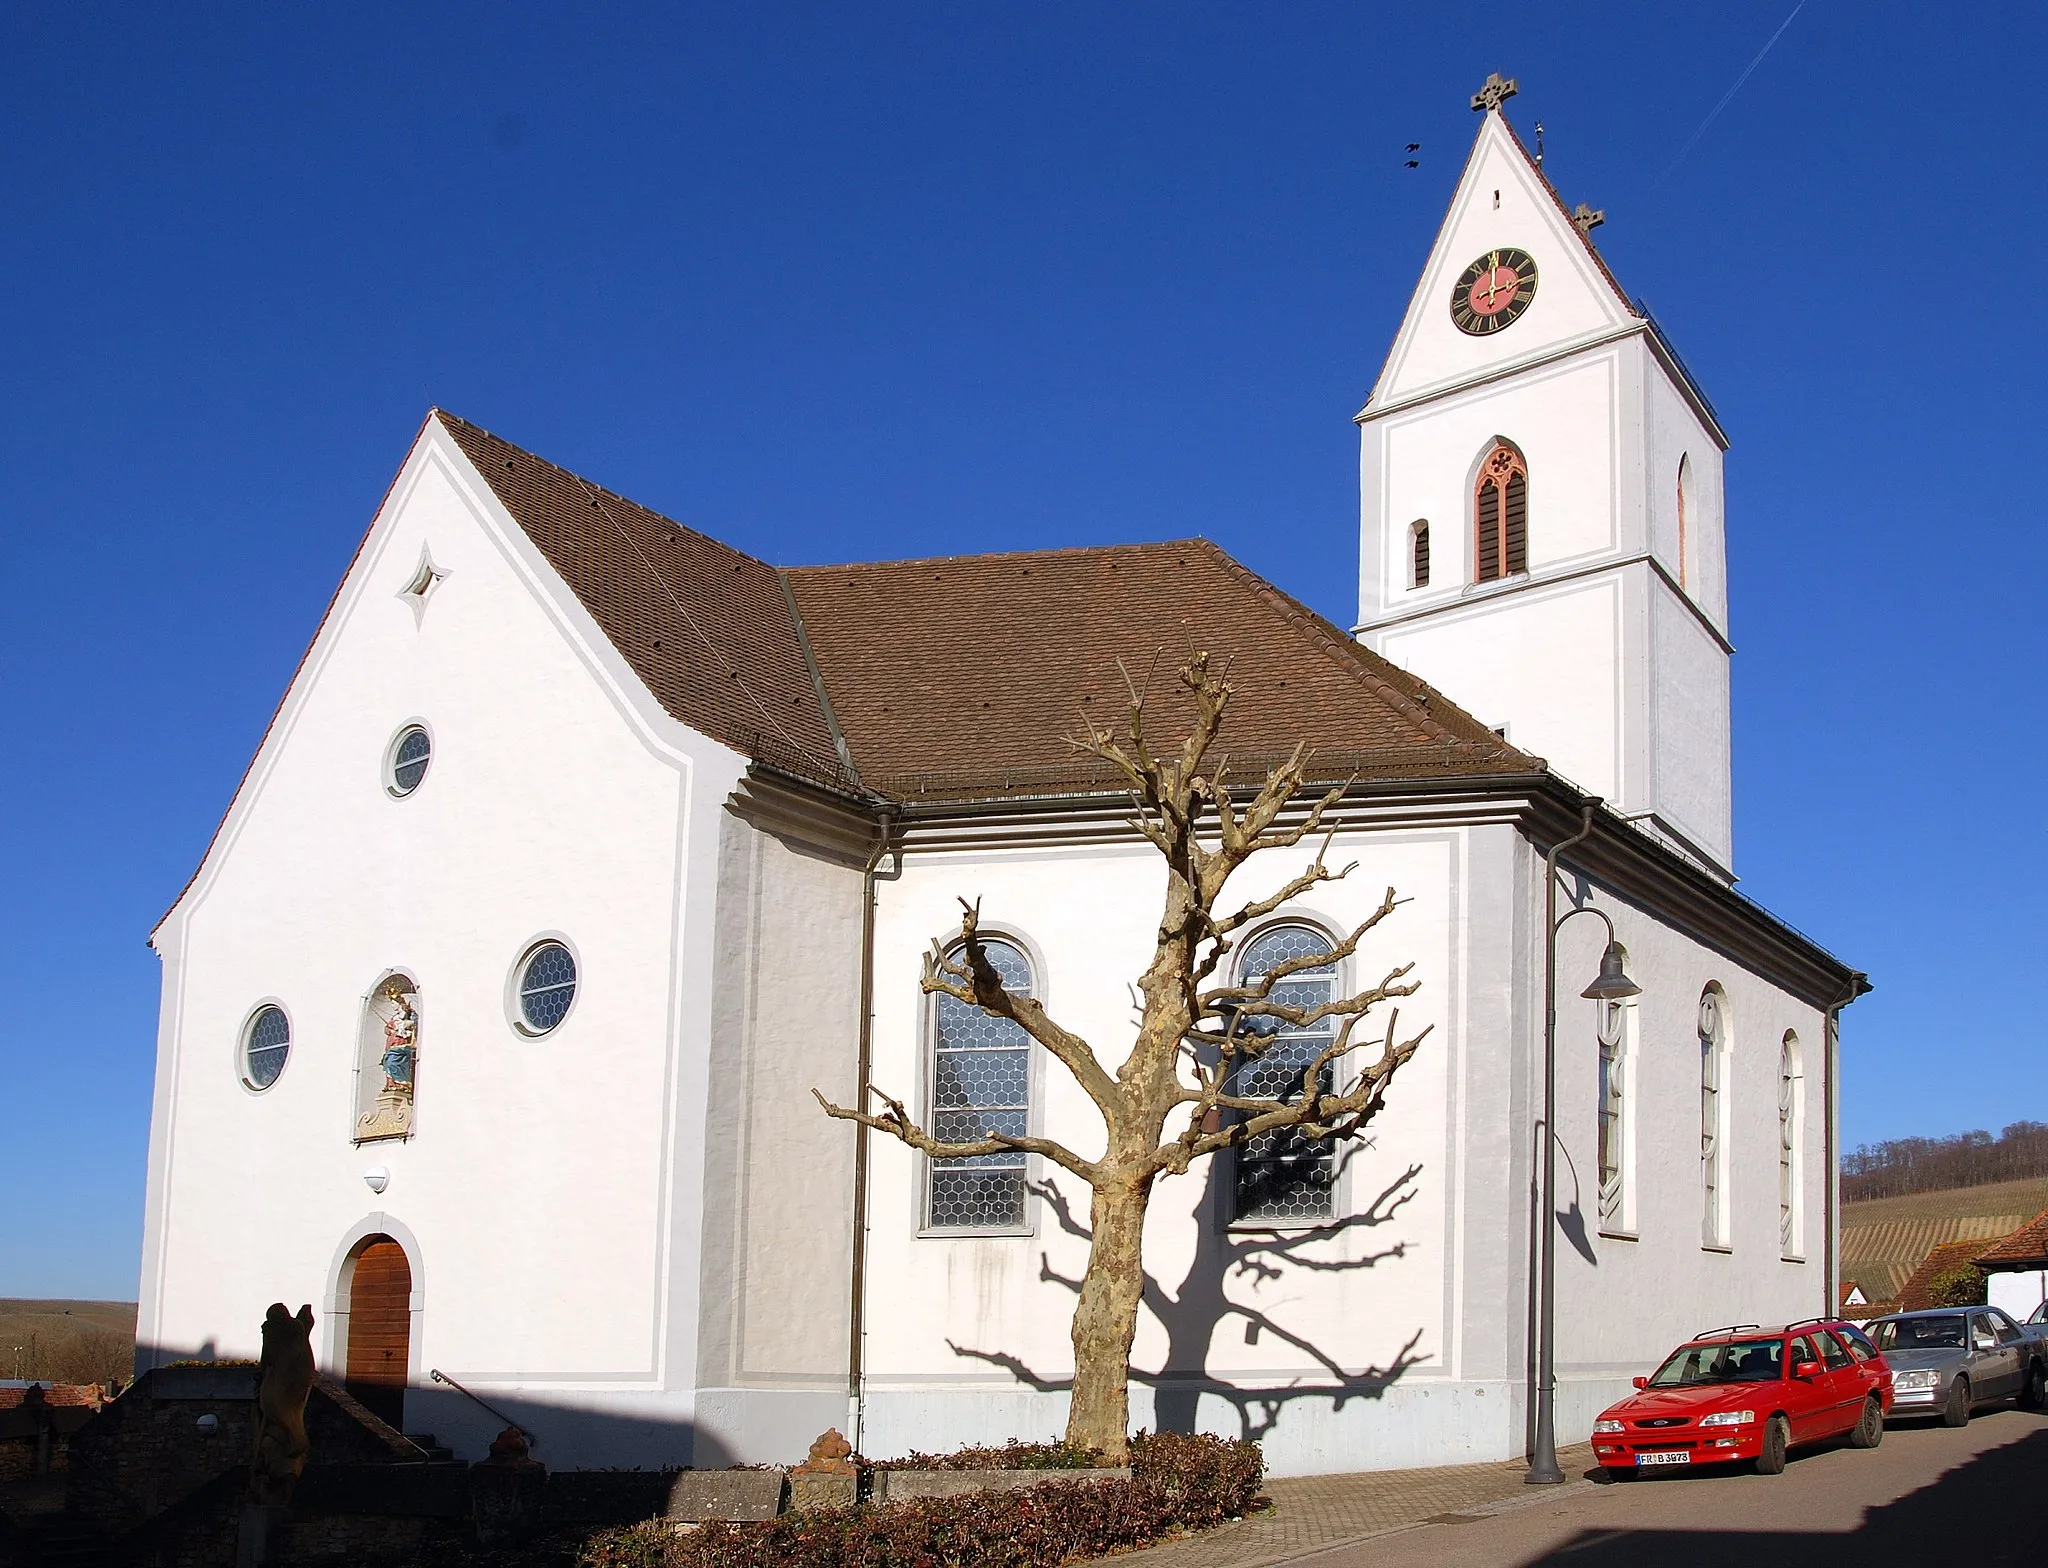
column 284, row 1378
column 396, row 1010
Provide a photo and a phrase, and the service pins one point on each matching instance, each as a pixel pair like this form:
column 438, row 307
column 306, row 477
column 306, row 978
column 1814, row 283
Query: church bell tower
column 1540, row 506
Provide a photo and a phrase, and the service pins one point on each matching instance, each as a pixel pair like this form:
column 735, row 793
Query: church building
column 582, row 848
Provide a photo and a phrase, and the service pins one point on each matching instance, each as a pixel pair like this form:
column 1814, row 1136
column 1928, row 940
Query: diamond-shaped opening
column 421, row 584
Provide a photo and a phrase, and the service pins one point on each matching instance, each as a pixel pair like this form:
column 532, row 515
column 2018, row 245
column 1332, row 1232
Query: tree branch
column 896, row 1122
column 978, row 984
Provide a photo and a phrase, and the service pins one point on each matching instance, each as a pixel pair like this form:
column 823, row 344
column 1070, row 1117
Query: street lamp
column 1612, row 984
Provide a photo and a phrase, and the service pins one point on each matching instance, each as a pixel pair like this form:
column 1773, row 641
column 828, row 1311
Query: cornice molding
column 1626, row 860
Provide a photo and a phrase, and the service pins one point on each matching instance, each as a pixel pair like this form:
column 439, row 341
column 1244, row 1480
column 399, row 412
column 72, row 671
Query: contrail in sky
column 1715, row 114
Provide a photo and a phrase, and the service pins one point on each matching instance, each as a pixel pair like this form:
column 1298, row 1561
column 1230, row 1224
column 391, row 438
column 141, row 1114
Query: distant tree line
column 81, row 1354
column 1965, row 1159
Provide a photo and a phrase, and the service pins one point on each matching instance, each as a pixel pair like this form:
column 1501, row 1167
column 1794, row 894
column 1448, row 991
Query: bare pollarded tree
column 1193, row 1040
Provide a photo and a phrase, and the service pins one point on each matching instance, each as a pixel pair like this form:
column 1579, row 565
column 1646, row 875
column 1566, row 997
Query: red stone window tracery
column 1500, row 515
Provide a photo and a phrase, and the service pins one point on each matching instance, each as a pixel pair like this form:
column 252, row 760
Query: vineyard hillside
column 1885, row 1239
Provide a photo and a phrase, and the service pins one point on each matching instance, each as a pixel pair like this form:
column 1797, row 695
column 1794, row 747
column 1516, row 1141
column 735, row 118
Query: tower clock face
column 1493, row 292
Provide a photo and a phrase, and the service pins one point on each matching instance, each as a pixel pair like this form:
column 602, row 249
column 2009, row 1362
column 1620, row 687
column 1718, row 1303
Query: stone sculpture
column 283, row 1381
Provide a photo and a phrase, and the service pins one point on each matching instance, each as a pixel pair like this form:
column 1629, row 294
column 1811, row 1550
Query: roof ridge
column 604, row 490
column 1340, row 649
column 1130, row 547
column 1585, row 236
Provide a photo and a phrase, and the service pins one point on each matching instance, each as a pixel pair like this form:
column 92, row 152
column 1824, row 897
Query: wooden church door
column 380, row 1329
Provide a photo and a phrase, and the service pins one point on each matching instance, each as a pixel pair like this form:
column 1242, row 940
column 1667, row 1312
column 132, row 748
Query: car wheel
column 1869, row 1429
column 2034, row 1392
column 1777, row 1438
column 1955, row 1410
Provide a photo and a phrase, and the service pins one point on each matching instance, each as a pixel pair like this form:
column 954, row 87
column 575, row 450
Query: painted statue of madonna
column 391, row 1028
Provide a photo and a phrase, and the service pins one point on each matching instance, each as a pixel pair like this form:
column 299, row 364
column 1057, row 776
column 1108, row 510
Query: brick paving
column 1312, row 1513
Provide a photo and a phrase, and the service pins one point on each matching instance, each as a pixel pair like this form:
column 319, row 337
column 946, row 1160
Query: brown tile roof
column 965, row 674
column 706, row 628
column 960, row 677
column 1917, row 1293
column 2025, row 1248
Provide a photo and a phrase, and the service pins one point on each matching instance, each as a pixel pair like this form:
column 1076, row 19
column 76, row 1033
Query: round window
column 266, row 1042
column 410, row 753
column 547, row 985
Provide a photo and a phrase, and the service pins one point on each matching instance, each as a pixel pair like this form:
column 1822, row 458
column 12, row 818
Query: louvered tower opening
column 1500, row 515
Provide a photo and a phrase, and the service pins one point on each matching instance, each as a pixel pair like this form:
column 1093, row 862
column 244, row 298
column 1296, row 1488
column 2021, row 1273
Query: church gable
column 441, row 621
column 1503, row 203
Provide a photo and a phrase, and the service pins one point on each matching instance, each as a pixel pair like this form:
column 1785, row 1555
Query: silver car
column 1949, row 1360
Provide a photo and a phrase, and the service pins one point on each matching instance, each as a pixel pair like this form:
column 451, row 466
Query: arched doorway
column 379, row 1327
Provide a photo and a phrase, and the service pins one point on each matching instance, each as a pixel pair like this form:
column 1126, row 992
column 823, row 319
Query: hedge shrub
column 1177, row 1483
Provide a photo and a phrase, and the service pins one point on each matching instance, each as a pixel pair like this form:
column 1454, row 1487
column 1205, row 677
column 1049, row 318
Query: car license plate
column 1668, row 1456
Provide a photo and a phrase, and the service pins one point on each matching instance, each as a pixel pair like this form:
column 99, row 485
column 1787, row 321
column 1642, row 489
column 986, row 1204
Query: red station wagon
column 1749, row 1394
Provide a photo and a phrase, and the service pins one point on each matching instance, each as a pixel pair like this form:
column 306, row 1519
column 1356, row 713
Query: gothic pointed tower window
column 1500, row 514
column 1418, row 553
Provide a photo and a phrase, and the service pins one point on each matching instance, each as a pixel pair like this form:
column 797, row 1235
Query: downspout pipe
column 1831, row 1064
column 856, row 1345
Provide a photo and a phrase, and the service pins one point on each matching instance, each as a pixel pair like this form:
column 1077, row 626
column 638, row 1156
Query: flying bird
column 1414, row 162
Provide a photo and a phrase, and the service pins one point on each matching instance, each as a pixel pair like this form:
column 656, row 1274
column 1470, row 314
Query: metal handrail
column 442, row 1377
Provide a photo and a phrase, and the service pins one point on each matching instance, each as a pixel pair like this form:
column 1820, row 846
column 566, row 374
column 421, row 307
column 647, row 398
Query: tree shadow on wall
column 1201, row 1304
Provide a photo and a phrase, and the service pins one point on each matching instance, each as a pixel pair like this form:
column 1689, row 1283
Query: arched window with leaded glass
column 1713, row 1043
column 1791, row 1092
column 1500, row 514
column 980, row 1083
column 1281, row 1177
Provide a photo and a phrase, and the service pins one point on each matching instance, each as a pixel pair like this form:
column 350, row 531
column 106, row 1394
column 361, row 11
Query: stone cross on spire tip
column 1493, row 92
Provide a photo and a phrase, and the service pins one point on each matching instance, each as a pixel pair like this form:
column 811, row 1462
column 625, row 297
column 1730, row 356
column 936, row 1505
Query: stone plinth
column 897, row 1486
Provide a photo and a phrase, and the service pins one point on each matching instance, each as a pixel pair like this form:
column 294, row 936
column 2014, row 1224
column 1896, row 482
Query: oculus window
column 1281, row 1177
column 981, row 1084
column 411, row 751
column 547, row 986
column 266, row 1042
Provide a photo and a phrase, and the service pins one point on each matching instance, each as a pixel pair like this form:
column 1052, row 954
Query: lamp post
column 1611, row 984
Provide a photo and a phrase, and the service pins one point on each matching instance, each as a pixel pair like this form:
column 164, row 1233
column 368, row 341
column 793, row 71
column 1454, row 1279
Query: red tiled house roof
column 1917, row 1293
column 2025, row 1248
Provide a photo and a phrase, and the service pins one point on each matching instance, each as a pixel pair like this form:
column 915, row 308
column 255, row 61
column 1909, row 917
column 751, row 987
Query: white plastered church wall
column 1453, row 1291
column 552, row 1184
column 1651, row 1280
column 778, row 1217
column 1371, row 1297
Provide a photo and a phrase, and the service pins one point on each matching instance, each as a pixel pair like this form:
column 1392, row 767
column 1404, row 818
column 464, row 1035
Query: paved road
column 1929, row 1495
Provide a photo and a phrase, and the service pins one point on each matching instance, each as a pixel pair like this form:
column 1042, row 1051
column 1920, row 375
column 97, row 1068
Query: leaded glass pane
column 1282, row 1176
column 976, row 1199
column 409, row 760
column 981, row 1084
column 268, row 1043
column 547, row 986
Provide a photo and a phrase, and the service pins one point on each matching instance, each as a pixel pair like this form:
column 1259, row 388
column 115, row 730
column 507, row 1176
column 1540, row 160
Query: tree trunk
column 1106, row 1319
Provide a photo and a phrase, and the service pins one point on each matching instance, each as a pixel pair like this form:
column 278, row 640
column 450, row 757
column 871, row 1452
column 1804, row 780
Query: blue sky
column 885, row 280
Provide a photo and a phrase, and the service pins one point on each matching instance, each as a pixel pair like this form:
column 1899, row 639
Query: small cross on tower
column 1588, row 218
column 1496, row 91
